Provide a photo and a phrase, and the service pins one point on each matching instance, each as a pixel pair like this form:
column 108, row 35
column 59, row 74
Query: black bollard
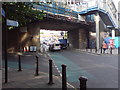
column 95, row 49
column 64, row 80
column 50, row 73
column 90, row 50
column 37, row 67
column 101, row 50
column 19, row 63
column 110, row 50
column 83, row 81
column 86, row 49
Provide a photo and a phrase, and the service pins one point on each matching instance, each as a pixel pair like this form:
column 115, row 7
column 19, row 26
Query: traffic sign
column 12, row 23
column 2, row 12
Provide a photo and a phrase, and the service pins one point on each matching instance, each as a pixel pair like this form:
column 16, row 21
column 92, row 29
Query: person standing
column 104, row 46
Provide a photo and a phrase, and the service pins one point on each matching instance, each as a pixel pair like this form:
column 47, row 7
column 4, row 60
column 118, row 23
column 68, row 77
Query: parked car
column 54, row 47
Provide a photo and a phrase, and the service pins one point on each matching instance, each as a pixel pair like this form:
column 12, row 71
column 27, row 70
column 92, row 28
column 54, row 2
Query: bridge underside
column 17, row 39
column 53, row 24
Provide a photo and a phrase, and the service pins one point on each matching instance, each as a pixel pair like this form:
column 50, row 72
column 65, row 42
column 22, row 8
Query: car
column 54, row 47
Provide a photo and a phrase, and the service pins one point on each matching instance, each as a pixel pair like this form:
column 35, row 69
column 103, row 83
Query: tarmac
column 26, row 79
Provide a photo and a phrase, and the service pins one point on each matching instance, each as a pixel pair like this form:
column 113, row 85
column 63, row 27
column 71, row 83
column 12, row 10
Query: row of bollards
column 101, row 50
column 82, row 79
column 91, row 50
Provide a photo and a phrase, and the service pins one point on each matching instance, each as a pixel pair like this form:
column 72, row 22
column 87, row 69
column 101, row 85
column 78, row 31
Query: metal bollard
column 64, row 83
column 101, row 50
column 19, row 63
column 83, row 81
column 50, row 73
column 37, row 67
column 86, row 49
column 95, row 49
column 91, row 50
column 110, row 50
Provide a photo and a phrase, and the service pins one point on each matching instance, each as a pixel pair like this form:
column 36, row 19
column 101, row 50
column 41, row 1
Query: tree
column 22, row 12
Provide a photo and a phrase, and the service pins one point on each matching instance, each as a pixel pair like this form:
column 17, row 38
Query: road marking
column 61, row 73
column 71, row 73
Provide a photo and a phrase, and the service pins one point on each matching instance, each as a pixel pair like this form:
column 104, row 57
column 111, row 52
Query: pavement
column 26, row 78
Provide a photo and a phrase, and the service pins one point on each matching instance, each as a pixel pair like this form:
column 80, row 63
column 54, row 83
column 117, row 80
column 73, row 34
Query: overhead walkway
column 104, row 12
column 56, row 10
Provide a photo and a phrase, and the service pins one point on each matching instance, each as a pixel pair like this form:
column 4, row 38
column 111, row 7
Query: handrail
column 56, row 10
column 101, row 5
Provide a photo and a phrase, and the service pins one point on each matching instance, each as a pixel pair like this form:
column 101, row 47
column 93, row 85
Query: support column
column 97, row 22
column 113, row 34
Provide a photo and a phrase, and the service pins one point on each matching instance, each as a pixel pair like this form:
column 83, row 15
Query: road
column 101, row 70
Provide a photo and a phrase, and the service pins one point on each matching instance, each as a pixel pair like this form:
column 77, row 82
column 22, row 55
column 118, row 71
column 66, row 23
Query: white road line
column 61, row 74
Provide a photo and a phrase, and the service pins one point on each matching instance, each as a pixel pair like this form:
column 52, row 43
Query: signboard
column 111, row 43
column 12, row 23
column 2, row 12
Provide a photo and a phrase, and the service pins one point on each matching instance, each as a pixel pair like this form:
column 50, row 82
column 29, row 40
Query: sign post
column 7, row 23
column 5, row 38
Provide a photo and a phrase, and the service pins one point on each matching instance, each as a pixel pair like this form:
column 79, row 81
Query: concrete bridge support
column 34, row 31
column 19, row 38
column 78, row 38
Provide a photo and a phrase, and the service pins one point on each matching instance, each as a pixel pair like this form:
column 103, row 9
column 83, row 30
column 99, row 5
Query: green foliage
column 22, row 12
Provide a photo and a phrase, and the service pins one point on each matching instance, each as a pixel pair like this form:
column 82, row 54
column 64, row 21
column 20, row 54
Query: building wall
column 119, row 14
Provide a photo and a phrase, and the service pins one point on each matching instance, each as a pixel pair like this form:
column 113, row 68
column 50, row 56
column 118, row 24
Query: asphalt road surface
column 101, row 70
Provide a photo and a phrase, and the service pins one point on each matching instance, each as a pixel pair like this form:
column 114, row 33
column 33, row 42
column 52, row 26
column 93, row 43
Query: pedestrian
column 104, row 46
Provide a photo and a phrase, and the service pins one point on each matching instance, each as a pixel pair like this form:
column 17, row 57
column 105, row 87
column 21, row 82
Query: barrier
column 101, row 50
column 50, row 73
column 110, row 50
column 95, row 49
column 19, row 63
column 37, row 67
column 64, row 83
column 83, row 81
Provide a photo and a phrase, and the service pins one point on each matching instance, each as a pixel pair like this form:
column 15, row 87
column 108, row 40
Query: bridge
column 62, row 18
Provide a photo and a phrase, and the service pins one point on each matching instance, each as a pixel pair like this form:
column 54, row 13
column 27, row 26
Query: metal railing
column 53, row 9
column 100, row 5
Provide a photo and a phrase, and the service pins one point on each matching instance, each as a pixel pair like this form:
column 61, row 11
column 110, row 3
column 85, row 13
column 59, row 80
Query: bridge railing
column 53, row 9
column 101, row 5
column 104, row 6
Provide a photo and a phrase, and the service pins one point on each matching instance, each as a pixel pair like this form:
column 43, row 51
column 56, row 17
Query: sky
column 116, row 3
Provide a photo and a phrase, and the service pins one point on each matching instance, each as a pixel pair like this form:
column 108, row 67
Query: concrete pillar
column 73, row 37
column 83, row 35
column 97, row 22
column 113, row 34
column 34, row 31
column 78, row 38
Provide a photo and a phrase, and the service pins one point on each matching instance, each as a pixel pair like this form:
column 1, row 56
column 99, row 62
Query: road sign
column 12, row 23
column 2, row 12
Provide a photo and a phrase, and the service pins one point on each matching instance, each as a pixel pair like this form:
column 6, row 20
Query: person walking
column 104, row 46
